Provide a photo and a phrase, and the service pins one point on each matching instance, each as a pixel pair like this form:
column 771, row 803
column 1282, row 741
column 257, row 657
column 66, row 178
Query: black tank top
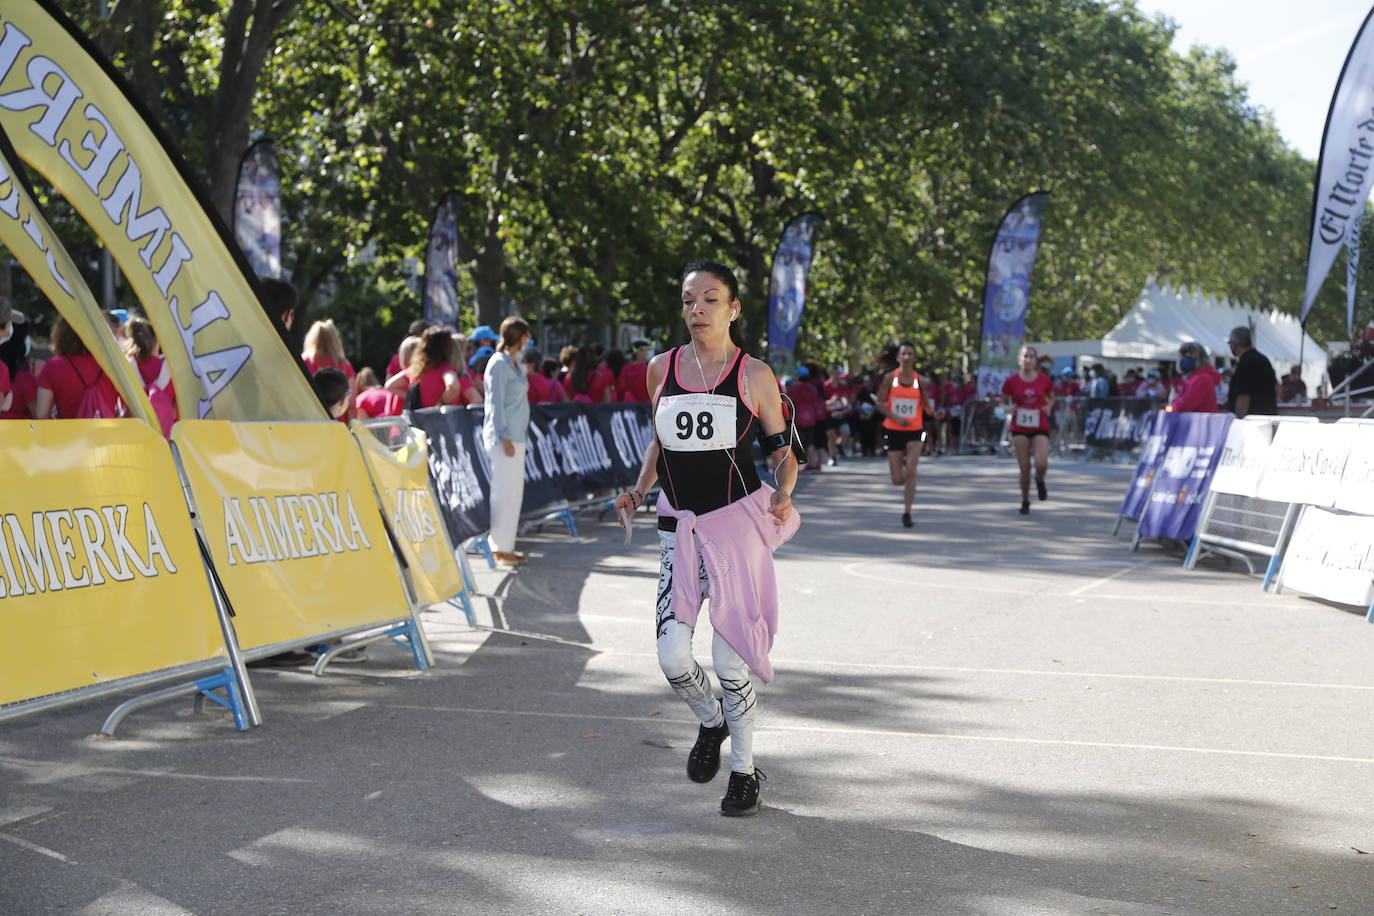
column 695, row 476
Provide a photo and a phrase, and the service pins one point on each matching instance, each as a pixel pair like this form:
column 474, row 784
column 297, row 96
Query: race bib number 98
column 695, row 422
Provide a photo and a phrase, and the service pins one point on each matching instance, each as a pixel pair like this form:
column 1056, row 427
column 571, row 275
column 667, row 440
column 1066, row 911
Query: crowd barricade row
column 1329, row 470
column 297, row 537
column 1236, row 521
column 103, row 584
column 397, row 458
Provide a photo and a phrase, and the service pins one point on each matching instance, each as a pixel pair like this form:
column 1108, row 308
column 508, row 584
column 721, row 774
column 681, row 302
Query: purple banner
column 1006, row 293
column 441, row 265
column 257, row 209
column 787, row 290
column 1150, row 454
column 1193, row 444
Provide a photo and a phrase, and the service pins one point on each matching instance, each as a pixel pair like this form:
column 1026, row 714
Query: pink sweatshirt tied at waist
column 735, row 544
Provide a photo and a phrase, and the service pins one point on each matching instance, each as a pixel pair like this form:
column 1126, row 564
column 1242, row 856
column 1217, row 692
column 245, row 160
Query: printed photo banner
column 100, row 575
column 1150, row 454
column 1193, row 444
column 74, row 121
column 26, row 234
column 787, row 289
column 257, row 209
column 1331, row 556
column 1244, row 456
column 441, row 265
column 1343, row 168
column 1118, row 424
column 1306, row 463
column 1006, row 293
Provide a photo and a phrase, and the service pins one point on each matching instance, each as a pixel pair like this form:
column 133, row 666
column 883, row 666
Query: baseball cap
column 483, row 332
column 803, row 372
column 481, row 354
column 641, row 344
column 1066, row 371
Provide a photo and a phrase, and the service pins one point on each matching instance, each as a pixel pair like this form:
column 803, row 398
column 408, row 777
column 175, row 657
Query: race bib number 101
column 695, row 422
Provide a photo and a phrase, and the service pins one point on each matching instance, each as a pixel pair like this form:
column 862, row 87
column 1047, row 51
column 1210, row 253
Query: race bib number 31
column 695, row 422
column 1027, row 418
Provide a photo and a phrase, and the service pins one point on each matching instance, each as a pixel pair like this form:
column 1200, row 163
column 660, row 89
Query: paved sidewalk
column 988, row 714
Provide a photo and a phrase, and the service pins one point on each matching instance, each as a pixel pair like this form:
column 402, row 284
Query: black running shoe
column 704, row 760
column 742, row 797
column 906, row 519
column 1025, row 507
column 1040, row 490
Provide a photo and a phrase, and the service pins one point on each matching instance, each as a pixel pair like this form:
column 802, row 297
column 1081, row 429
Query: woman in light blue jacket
column 504, row 428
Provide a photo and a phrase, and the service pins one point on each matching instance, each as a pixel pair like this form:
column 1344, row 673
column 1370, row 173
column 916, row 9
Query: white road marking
column 1105, row 579
column 34, row 847
column 853, row 570
column 892, row 733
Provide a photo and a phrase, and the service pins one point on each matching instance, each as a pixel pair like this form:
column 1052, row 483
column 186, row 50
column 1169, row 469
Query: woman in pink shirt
column 324, row 347
column 431, row 368
column 67, row 376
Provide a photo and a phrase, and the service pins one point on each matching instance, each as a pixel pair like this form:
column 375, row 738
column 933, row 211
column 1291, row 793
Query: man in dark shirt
column 1254, row 387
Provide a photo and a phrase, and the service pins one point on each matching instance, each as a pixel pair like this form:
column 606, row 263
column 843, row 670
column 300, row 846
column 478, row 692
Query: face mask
column 1187, row 363
column 526, row 368
column 28, row 344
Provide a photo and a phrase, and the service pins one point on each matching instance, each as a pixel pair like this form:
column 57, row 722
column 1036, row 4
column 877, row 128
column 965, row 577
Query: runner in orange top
column 903, row 402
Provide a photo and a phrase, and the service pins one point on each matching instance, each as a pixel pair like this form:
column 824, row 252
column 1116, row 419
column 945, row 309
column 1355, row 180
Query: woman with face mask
column 1199, row 394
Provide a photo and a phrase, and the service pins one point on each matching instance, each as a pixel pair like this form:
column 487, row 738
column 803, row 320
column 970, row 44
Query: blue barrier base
column 203, row 689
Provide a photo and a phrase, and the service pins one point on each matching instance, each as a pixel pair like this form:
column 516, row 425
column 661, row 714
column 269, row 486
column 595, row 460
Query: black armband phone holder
column 772, row 443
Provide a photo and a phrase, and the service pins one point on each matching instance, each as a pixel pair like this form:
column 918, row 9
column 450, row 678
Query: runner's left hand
column 780, row 505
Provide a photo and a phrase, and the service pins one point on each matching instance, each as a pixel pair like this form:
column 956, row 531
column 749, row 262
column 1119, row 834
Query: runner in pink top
column 1029, row 400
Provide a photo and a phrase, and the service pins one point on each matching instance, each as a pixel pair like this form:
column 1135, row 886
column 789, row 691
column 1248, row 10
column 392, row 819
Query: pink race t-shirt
column 1028, row 402
column 321, row 362
column 378, row 402
column 25, row 387
column 634, row 383
column 68, row 377
column 432, row 385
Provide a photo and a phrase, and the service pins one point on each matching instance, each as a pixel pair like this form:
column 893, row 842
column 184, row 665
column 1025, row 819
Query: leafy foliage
column 599, row 145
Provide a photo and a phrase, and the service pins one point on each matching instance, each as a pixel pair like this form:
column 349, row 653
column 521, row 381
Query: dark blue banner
column 573, row 451
column 441, row 265
column 787, row 290
column 1150, row 454
column 1006, row 293
column 1193, row 444
column 257, row 209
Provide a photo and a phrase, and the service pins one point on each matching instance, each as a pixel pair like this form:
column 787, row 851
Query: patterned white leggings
column 690, row 682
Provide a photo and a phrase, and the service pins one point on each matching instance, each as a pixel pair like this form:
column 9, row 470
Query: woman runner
column 709, row 401
column 903, row 403
column 1030, row 399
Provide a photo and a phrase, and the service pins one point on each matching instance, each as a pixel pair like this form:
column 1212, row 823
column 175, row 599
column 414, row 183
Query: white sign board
column 1331, row 556
column 1305, row 463
column 1244, row 456
column 1357, row 483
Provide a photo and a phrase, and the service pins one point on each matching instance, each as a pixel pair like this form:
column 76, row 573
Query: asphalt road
column 988, row 714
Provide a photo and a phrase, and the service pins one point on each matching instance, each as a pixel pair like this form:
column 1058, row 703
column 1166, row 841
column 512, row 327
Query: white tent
column 1165, row 317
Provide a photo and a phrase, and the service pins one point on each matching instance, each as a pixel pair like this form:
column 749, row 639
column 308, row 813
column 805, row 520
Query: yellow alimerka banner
column 402, row 478
column 27, row 235
column 293, row 527
column 100, row 575
column 69, row 117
